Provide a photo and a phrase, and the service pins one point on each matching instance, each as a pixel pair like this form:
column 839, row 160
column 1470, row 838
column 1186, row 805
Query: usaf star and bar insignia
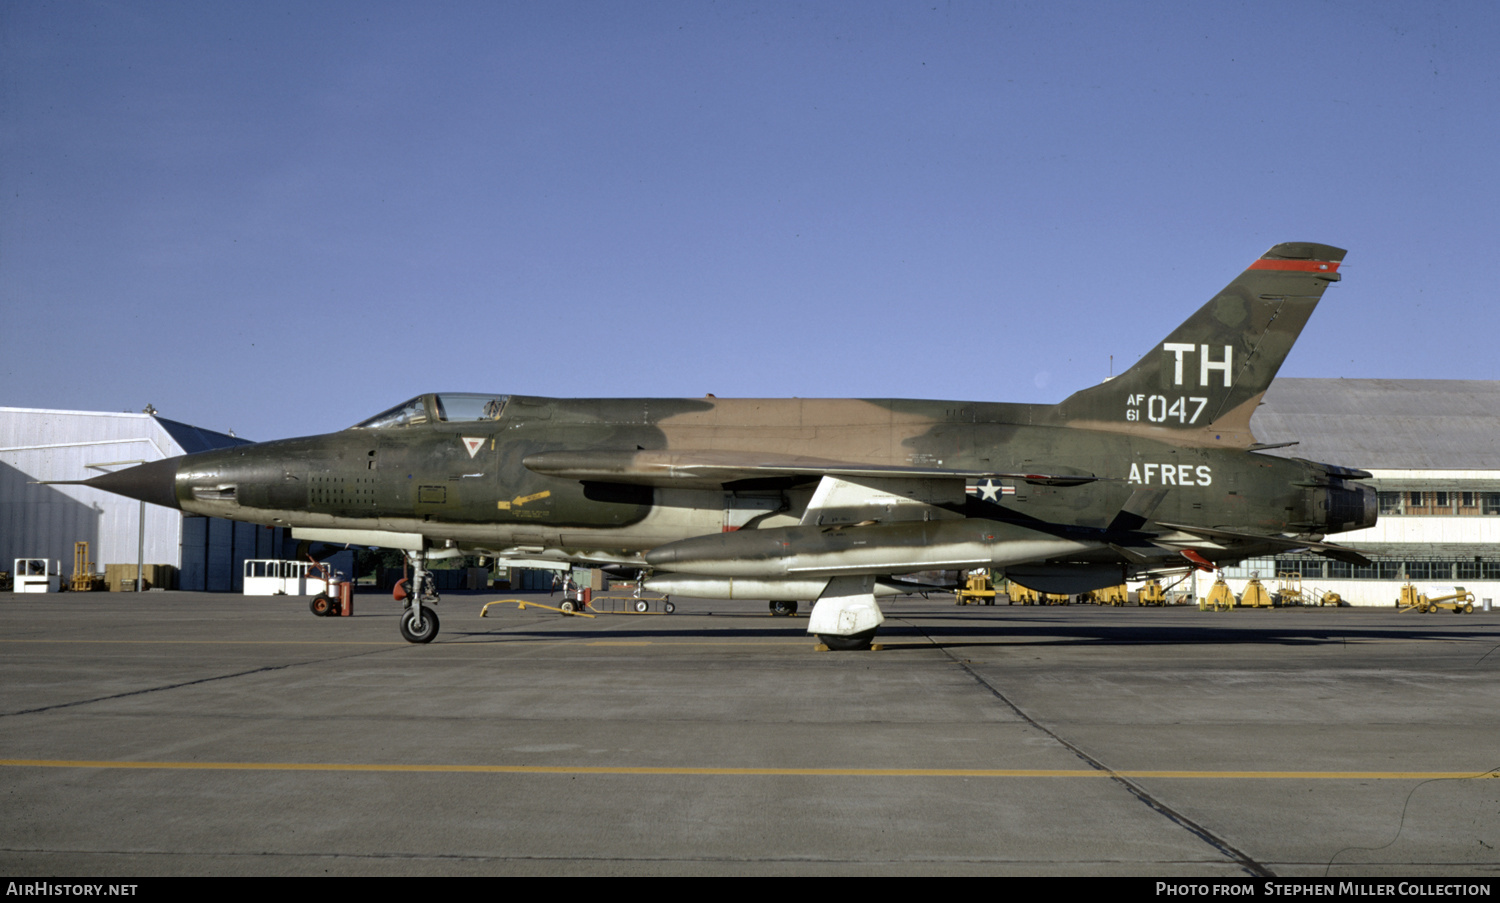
column 989, row 490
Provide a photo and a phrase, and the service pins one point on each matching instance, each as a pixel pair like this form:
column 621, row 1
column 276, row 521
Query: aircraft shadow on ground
column 894, row 634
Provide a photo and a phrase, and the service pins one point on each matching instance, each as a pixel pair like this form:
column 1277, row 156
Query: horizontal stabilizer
column 1286, row 543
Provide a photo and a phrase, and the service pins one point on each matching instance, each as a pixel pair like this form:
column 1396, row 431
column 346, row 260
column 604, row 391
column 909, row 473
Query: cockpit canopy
column 444, row 407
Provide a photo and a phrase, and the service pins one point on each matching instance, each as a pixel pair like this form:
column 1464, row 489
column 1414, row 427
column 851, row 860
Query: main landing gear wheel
column 419, row 630
column 856, row 643
column 321, row 605
column 568, row 606
column 785, row 610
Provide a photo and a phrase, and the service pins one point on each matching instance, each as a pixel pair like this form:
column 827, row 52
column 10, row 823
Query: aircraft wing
column 714, row 469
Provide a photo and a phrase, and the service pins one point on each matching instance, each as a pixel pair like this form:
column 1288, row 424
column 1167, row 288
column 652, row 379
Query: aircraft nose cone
column 154, row 482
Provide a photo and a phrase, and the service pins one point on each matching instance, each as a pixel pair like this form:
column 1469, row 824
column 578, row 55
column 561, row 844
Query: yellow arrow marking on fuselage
column 520, row 500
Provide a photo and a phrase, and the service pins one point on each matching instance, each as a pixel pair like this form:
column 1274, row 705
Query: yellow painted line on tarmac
column 747, row 772
column 215, row 642
column 481, row 641
column 803, row 641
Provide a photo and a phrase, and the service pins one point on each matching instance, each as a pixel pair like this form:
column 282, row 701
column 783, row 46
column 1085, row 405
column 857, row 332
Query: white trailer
column 276, row 577
column 37, row 575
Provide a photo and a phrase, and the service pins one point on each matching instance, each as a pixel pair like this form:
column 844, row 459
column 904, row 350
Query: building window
column 1429, row 570
column 1433, row 502
column 1299, row 566
column 1424, row 570
column 1251, row 567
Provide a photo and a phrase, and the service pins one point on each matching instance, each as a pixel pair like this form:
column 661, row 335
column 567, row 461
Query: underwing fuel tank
column 812, row 551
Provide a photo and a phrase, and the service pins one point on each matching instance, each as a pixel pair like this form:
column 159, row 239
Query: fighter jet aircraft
column 826, row 500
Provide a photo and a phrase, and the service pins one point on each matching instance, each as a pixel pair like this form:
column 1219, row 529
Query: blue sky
column 282, row 218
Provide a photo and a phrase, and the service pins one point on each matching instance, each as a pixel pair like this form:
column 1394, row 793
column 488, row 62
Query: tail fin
column 1202, row 383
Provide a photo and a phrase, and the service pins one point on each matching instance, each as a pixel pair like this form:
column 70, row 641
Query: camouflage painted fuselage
column 423, row 480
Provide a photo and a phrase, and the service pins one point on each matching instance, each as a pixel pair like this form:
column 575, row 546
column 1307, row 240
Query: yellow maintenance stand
column 1292, row 592
column 1151, row 594
column 978, row 589
column 1289, row 589
column 84, row 578
column 623, row 603
column 1109, row 595
column 1255, row 595
column 1459, row 602
column 1219, row 598
column 1022, row 595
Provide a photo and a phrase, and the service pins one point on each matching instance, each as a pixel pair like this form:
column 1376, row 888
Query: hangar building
column 45, row 521
column 1433, row 446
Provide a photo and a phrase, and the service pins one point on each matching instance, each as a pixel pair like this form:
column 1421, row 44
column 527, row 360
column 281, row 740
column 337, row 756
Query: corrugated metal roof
column 1429, row 424
column 197, row 439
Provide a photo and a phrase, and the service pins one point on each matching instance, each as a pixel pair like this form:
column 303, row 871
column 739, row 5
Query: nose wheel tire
column 642, row 606
column 421, row 629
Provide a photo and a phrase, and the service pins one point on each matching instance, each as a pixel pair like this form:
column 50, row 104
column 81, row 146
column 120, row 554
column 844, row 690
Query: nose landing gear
column 418, row 624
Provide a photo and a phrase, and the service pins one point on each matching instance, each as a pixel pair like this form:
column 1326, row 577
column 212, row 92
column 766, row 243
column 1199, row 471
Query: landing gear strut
column 419, row 624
